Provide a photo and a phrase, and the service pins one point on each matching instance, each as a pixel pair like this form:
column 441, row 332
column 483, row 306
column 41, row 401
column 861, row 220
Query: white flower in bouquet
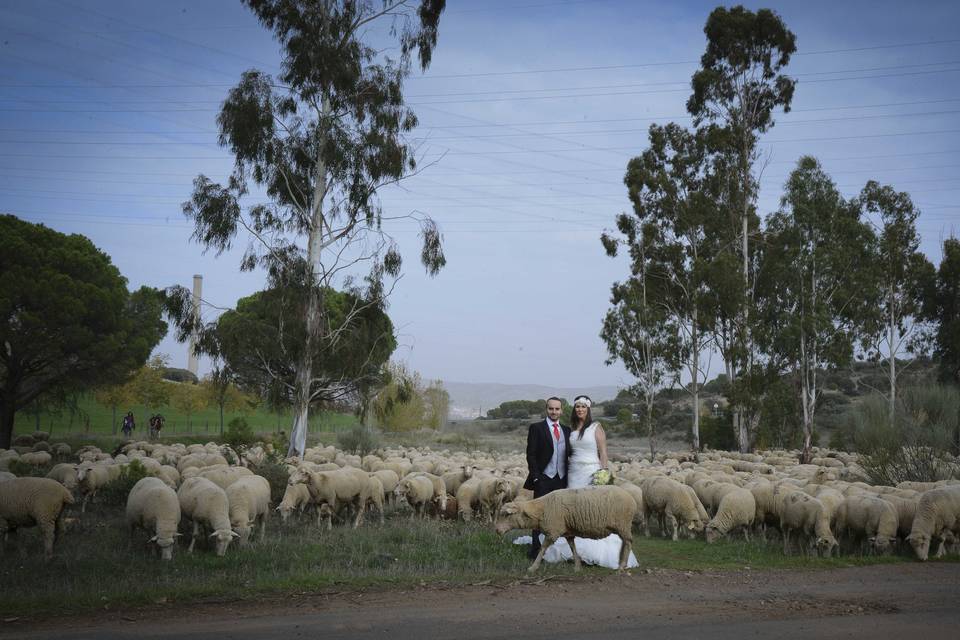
column 601, row 477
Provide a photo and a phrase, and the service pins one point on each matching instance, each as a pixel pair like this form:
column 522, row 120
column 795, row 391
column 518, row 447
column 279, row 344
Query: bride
column 588, row 444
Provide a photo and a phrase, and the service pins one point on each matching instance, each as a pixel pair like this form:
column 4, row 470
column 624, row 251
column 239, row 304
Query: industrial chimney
column 192, row 363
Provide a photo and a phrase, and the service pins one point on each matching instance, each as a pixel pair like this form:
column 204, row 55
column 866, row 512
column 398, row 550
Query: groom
column 548, row 447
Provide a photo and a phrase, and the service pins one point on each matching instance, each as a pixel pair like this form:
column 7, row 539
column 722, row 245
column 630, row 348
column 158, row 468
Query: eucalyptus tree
column 67, row 321
column 261, row 344
column 816, row 284
column 736, row 90
column 667, row 236
column 634, row 332
column 942, row 307
column 904, row 274
column 320, row 141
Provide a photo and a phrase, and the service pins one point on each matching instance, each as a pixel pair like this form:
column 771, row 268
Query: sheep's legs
column 193, row 536
column 576, row 556
column 547, row 541
column 625, row 545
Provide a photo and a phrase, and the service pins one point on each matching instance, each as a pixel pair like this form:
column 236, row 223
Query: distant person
column 548, row 447
column 129, row 424
column 156, row 424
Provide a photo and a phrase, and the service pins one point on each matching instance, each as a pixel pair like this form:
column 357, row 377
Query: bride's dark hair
column 575, row 424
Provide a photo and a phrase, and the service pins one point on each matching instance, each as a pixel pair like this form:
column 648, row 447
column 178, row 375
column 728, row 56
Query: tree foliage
column 319, row 141
column 735, row 92
column 67, row 321
column 262, row 341
column 815, row 287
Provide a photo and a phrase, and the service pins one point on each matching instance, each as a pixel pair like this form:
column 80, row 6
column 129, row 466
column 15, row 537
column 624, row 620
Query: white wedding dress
column 584, row 461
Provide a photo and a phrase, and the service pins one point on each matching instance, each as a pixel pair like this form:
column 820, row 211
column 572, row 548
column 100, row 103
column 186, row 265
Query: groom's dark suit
column 540, row 448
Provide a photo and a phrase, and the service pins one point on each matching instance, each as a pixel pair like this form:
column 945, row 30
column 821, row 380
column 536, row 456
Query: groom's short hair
column 555, row 398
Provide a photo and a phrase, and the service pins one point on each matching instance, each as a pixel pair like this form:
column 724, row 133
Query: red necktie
column 556, row 432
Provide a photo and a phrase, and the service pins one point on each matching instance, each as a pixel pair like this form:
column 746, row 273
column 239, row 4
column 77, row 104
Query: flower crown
column 584, row 400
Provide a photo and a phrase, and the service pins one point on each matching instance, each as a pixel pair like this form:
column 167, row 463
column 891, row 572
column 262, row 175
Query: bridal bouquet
column 601, row 477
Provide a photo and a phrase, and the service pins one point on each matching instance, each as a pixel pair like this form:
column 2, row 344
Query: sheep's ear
column 153, row 539
column 234, row 534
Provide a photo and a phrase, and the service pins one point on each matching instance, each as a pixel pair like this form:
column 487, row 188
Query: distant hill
column 468, row 400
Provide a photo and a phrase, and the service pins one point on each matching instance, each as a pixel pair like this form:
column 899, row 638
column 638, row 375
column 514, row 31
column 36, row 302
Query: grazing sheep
column 468, row 498
column 493, row 493
column 66, row 474
column 389, row 479
column 295, row 497
column 375, row 495
column 347, row 486
column 640, row 518
column 737, row 510
column 593, row 512
column 153, row 506
column 249, row 503
column 906, row 511
column 36, row 458
column 6, row 475
column 223, row 477
column 206, row 505
column 669, row 501
column 453, row 479
column 807, row 516
column 90, row 479
column 937, row 516
column 439, row 488
column 29, row 502
column 870, row 519
column 419, row 492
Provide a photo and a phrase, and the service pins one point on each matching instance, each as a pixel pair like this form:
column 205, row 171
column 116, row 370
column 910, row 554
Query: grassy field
column 62, row 423
column 98, row 566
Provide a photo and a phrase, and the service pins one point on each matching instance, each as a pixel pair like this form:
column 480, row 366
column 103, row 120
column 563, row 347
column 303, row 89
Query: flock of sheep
column 213, row 493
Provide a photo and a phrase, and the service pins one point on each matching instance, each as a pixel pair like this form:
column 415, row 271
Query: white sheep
column 29, row 502
column 937, row 516
column 668, row 500
column 66, row 474
column 494, row 492
column 337, row 489
column 870, row 519
column 296, row 497
column 593, row 512
column 737, row 510
column 249, row 502
column 153, row 506
column 418, row 491
column 36, row 458
column 468, row 498
column 92, row 477
column 805, row 515
column 206, row 505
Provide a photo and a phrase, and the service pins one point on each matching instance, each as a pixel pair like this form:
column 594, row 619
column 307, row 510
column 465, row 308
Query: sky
column 528, row 115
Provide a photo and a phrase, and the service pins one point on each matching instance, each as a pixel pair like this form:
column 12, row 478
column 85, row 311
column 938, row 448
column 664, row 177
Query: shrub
column 239, row 434
column 915, row 445
column 277, row 475
column 717, row 432
column 358, row 439
column 115, row 493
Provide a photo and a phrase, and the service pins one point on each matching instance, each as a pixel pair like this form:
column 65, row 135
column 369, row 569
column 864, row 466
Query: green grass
column 98, row 566
column 201, row 423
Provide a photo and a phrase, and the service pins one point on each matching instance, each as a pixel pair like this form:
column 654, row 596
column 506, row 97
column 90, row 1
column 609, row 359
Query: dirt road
column 912, row 601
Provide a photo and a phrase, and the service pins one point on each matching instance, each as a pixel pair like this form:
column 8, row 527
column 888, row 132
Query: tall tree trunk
column 301, row 404
column 651, row 429
column 891, row 335
column 7, row 413
column 695, row 379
